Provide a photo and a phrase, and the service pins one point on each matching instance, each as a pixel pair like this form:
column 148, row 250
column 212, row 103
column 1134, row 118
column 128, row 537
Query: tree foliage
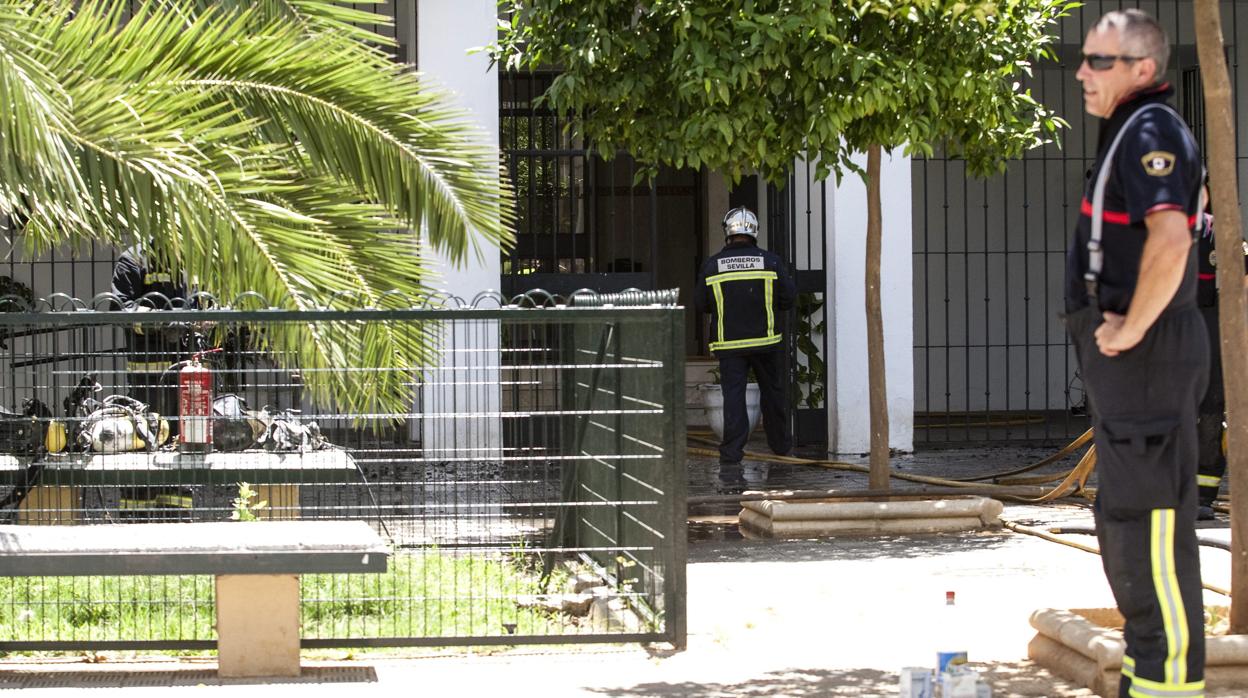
column 255, row 145
column 743, row 86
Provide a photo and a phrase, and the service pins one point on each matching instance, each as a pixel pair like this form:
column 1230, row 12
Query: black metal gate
column 585, row 223
column 992, row 362
column 798, row 232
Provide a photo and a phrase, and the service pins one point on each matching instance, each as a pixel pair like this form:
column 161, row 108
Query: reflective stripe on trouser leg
column 1174, row 618
column 1166, row 584
column 1209, row 486
column 1144, row 687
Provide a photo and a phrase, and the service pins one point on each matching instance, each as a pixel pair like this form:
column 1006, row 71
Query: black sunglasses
column 1104, row 61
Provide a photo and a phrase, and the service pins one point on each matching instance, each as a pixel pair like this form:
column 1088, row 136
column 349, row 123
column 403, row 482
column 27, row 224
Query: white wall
column 849, row 423
column 467, row 383
column 447, row 30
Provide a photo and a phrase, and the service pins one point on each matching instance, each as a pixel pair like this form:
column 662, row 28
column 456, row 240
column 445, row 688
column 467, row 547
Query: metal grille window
column 798, row 232
column 992, row 362
column 582, row 222
column 548, row 169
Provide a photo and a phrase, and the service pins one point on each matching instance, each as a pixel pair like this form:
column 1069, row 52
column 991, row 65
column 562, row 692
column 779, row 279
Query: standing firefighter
column 151, row 349
column 1211, row 465
column 747, row 289
column 1141, row 343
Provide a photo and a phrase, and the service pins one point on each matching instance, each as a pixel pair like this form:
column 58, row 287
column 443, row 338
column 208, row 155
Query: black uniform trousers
column 733, row 372
column 1144, row 405
column 1211, row 463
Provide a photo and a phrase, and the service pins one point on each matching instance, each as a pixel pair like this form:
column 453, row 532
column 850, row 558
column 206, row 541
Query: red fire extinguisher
column 195, row 407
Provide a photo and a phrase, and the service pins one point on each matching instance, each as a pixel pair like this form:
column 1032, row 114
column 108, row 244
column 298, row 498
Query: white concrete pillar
column 849, row 420
column 467, row 382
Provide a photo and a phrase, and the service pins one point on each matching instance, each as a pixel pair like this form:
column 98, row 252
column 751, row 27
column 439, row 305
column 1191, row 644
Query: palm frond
column 38, row 175
column 256, row 155
column 318, row 16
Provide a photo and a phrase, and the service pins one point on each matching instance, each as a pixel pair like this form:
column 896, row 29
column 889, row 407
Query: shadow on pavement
column 731, row 547
column 1013, row 679
column 77, row 677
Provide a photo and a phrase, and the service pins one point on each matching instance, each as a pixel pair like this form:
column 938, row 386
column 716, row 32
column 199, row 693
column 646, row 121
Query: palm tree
column 260, row 145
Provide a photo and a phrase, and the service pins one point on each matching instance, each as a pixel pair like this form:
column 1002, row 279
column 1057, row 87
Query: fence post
column 675, row 604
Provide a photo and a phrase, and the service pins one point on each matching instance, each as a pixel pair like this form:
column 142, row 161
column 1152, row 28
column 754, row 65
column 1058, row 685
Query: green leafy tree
column 259, row 145
column 751, row 86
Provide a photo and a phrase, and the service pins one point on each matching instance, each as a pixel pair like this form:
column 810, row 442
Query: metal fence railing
column 532, row 484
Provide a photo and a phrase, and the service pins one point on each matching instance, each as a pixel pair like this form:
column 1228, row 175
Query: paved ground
column 836, row 617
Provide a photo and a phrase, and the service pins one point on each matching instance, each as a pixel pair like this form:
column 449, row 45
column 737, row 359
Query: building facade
column 972, row 269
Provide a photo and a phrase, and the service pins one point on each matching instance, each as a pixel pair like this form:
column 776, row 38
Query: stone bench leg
column 49, row 505
column 257, row 625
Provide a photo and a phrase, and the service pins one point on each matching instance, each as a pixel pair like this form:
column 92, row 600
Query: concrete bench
column 256, row 564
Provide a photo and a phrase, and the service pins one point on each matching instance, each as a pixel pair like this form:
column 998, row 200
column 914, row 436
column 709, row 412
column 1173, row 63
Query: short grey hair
column 1140, row 35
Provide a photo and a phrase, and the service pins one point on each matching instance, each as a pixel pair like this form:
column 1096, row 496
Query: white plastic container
column 916, row 682
column 959, row 683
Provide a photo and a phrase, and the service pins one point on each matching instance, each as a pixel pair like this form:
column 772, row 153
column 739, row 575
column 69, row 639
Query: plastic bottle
column 951, row 652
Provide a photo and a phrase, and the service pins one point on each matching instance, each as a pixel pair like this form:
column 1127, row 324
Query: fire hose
column 1023, row 490
column 1073, row 482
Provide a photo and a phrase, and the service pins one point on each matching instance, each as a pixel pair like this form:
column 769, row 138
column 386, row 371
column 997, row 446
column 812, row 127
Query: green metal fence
column 533, row 491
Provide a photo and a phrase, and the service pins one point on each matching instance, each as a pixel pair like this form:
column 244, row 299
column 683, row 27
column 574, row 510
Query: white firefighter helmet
column 740, row 221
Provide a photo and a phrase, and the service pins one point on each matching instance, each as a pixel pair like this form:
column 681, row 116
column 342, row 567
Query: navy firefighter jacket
column 1207, row 258
column 150, row 347
column 746, row 289
column 1155, row 168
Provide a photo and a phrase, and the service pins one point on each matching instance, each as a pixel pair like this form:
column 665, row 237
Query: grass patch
column 427, row 594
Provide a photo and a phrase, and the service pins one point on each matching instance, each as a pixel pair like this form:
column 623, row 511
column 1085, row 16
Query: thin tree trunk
column 875, row 328
column 1224, row 187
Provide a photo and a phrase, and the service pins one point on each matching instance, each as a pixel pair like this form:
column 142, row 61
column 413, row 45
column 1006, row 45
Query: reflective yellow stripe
column 716, row 283
column 740, row 276
column 1143, row 688
column 147, row 366
column 719, row 314
column 1166, row 586
column 136, row 504
column 173, row 500
column 771, row 320
column 1208, row 481
column 747, row 343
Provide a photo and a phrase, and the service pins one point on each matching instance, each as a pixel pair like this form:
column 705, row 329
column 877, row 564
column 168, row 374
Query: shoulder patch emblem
column 1213, row 255
column 1158, row 163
